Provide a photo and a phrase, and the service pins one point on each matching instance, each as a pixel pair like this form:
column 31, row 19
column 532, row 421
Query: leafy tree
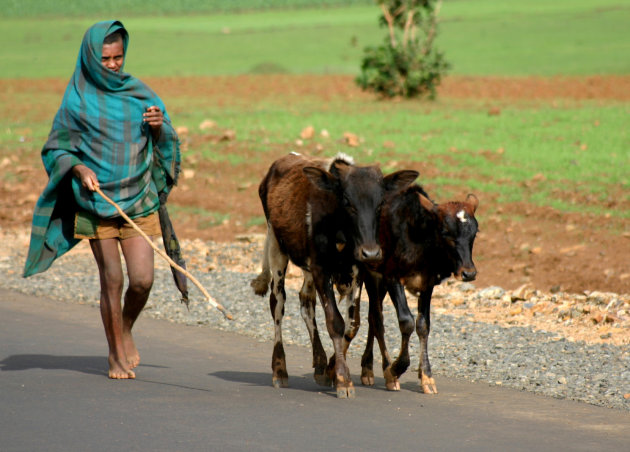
column 407, row 64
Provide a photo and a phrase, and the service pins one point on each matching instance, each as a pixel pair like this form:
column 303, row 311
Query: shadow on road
column 251, row 378
column 303, row 382
column 94, row 365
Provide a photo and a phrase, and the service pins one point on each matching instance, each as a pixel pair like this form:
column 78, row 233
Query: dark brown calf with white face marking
column 323, row 216
column 423, row 244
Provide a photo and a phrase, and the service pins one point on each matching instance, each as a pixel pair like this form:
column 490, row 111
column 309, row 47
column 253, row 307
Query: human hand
column 86, row 176
column 154, row 117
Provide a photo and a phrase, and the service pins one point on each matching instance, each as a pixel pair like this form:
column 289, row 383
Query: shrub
column 406, row 64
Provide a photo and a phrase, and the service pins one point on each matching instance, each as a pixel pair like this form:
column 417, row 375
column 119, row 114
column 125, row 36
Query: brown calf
column 323, row 216
column 423, row 244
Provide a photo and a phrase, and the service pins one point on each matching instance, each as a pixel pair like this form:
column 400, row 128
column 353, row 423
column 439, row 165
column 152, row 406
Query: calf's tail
column 260, row 284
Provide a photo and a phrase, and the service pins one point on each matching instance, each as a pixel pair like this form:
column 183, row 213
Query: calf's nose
column 371, row 254
column 469, row 275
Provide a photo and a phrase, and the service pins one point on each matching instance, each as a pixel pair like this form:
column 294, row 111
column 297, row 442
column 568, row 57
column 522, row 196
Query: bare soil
column 544, row 249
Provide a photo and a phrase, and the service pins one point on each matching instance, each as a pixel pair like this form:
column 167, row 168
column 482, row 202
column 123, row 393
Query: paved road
column 201, row 389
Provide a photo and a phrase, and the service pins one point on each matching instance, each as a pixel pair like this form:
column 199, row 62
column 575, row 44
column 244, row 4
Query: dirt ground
column 545, row 249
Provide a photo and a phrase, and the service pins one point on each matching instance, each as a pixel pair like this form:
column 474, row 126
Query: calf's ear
column 400, row 179
column 319, row 178
column 472, row 201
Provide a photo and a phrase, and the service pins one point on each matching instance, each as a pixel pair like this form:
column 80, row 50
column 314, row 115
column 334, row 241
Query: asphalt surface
column 202, row 389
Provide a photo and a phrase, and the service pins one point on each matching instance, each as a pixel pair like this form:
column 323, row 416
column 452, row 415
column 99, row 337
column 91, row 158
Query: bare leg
column 107, row 258
column 139, row 259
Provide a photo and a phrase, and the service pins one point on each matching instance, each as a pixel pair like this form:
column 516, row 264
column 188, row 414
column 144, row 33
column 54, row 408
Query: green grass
column 82, row 8
column 537, row 37
column 571, row 37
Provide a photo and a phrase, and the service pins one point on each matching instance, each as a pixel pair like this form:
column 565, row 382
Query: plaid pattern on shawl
column 99, row 124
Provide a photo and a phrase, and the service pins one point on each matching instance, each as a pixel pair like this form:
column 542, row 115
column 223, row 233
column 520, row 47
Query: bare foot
column 117, row 371
column 133, row 357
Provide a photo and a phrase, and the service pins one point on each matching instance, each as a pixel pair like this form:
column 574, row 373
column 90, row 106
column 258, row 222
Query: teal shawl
column 99, row 124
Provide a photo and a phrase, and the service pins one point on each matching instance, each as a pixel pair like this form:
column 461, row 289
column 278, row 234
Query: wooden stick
column 173, row 264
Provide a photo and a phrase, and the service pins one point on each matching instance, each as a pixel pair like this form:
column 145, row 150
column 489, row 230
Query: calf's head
column 458, row 228
column 360, row 191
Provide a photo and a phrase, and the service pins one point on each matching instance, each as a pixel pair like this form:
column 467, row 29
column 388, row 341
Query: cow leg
column 376, row 292
column 336, row 327
column 367, row 359
column 406, row 325
column 278, row 265
column 307, row 309
column 423, row 327
column 350, row 291
column 353, row 312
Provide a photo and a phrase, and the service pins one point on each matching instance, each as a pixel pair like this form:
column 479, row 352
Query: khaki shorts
column 87, row 226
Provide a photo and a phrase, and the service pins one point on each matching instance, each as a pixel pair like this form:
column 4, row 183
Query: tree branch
column 428, row 42
column 390, row 24
column 409, row 28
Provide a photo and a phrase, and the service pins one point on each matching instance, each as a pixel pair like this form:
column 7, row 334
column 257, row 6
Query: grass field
column 82, row 8
column 484, row 37
column 583, row 147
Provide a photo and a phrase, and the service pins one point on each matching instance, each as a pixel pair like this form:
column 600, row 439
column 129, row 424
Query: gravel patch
column 519, row 357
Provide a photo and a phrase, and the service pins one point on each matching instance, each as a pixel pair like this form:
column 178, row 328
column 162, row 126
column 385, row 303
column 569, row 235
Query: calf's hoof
column 345, row 390
column 428, row 385
column 367, row 377
column 391, row 380
column 280, row 382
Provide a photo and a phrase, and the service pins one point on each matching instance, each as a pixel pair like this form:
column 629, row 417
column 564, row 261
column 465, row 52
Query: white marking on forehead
column 462, row 216
column 294, row 153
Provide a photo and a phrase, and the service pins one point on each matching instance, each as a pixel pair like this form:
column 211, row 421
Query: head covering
column 99, row 124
